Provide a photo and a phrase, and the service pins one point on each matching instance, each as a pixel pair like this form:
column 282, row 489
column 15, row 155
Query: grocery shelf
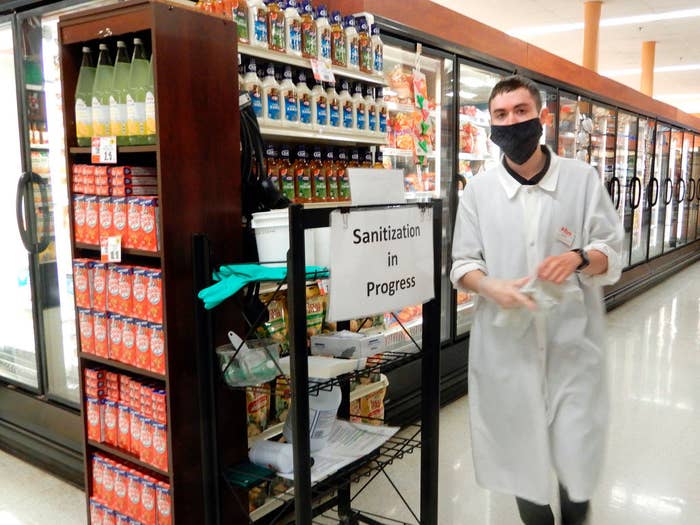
column 151, row 148
column 331, row 135
column 118, row 365
column 470, row 156
column 125, row 251
column 293, row 60
column 126, row 456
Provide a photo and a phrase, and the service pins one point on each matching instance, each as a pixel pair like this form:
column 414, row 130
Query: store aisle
column 651, row 473
column 652, row 470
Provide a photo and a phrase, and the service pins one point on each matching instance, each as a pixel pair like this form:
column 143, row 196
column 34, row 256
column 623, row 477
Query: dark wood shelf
column 125, row 251
column 121, row 366
column 151, row 148
column 126, row 456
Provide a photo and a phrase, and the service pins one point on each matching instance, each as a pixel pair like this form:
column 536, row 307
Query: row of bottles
column 290, row 101
column 116, row 98
column 316, row 174
column 296, row 28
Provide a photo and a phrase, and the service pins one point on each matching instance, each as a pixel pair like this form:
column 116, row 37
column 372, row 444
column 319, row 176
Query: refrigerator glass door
column 549, row 102
column 673, row 188
column 626, row 191
column 419, row 142
column 683, row 192
column 18, row 358
column 694, row 221
column 642, row 193
column 476, row 152
column 660, row 190
column 575, row 127
column 602, row 150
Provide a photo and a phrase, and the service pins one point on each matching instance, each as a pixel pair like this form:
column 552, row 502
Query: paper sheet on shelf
column 347, row 443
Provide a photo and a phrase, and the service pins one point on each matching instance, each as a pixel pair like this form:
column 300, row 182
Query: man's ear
column 544, row 115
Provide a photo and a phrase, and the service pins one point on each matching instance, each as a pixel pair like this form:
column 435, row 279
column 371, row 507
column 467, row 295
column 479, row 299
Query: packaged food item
column 148, row 501
column 115, row 327
column 108, row 483
column 111, row 417
column 101, row 335
column 283, row 398
column 110, row 517
column 159, row 406
column 113, row 296
column 258, row 408
column 134, row 171
column 347, row 344
column 128, row 354
column 275, row 327
column 135, row 428
column 79, row 233
column 372, row 407
column 139, row 301
column 146, row 453
column 256, row 498
column 82, row 269
column 400, row 83
column 157, row 348
column 125, row 277
column 87, row 339
column 92, row 228
column 96, row 512
column 143, row 344
column 98, row 291
column 133, row 491
column 373, row 372
column 106, row 213
column 94, row 410
column 123, row 423
column 160, row 446
column 163, row 504
column 315, row 310
column 97, row 473
column 150, row 226
column 355, row 411
column 120, row 486
column 154, row 295
column 120, row 220
column 133, row 222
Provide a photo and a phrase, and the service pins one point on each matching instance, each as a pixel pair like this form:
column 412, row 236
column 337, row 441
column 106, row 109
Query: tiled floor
column 652, row 472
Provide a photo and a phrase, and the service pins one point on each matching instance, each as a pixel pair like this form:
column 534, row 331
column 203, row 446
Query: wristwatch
column 585, row 261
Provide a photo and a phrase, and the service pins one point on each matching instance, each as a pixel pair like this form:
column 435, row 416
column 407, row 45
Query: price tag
column 104, row 150
column 111, row 249
column 321, row 71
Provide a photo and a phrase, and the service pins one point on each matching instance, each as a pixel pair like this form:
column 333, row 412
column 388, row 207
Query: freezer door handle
column 681, row 195
column 636, row 192
column 668, row 191
column 25, row 234
column 655, row 192
column 691, row 190
column 22, row 185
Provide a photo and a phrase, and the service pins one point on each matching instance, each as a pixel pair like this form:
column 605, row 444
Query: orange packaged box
column 149, row 239
column 108, row 483
column 146, row 401
column 146, row 453
column 157, row 348
column 106, row 211
column 94, row 419
column 139, row 300
column 124, row 387
column 148, row 501
column 92, row 228
column 154, row 294
column 135, row 429
column 102, row 190
column 143, row 344
column 133, row 222
column 133, row 492
column 113, row 296
column 163, row 504
column 136, row 171
column 119, row 219
column 97, row 511
column 97, row 472
column 128, row 341
column 159, row 404
column 87, row 337
column 115, row 325
column 98, row 290
column 101, row 333
column 81, row 282
column 160, row 446
column 109, row 517
column 120, row 484
column 125, row 285
column 110, row 423
column 79, row 232
column 124, row 424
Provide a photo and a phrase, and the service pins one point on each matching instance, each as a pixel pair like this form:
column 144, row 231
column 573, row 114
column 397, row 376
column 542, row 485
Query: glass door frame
column 628, row 191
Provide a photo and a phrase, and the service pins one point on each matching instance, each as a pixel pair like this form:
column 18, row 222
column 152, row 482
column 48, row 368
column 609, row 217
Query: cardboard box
column 347, row 344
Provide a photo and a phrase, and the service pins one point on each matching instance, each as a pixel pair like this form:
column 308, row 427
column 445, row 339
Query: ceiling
column 673, row 24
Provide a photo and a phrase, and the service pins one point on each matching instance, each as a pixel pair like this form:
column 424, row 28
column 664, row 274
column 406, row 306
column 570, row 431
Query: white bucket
column 272, row 237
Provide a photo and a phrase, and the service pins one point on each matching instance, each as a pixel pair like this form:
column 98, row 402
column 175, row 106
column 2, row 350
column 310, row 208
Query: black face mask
column 518, row 141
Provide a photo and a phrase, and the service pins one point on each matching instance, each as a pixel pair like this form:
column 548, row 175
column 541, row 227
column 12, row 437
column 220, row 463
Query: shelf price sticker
column 321, row 71
column 104, row 150
column 111, row 249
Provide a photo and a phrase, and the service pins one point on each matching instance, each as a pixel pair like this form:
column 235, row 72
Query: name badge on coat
column 566, row 236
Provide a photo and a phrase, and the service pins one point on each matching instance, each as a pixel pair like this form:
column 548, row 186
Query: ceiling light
column 475, row 82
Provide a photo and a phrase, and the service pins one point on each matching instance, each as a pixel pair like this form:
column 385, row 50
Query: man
column 536, row 238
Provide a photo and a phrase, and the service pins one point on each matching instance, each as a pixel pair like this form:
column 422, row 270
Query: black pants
column 571, row 513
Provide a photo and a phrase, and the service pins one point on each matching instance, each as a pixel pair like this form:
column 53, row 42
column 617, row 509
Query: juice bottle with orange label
column 331, row 173
column 365, row 46
column 309, row 36
column 338, row 42
column 286, row 173
column 276, row 38
column 342, row 165
column 318, row 176
column 302, row 176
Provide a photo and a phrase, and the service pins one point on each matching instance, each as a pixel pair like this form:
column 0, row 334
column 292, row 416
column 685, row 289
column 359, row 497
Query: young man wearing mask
column 536, row 238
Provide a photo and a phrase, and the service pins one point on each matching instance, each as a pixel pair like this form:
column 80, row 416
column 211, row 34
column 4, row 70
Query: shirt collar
column 548, row 182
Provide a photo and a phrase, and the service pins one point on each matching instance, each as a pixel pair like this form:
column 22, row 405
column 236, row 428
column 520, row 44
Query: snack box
column 347, row 344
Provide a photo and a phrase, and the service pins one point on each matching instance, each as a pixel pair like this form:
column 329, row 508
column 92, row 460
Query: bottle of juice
column 342, row 171
column 319, row 106
column 372, row 123
column 292, row 28
column 365, row 46
column 286, row 174
column 366, row 158
column 136, row 95
column 379, row 159
column 382, row 112
column 331, row 171
column 290, row 106
column 318, row 176
column 252, row 84
column 117, row 98
column 309, row 36
column 304, row 96
column 272, row 104
column 339, row 50
column 272, row 165
column 360, row 105
column 276, row 39
column 257, row 23
column 377, row 51
column 334, row 109
column 240, row 16
column 83, row 99
column 101, row 91
column 302, row 176
column 352, row 43
column 346, row 103
column 323, row 33
column 150, row 106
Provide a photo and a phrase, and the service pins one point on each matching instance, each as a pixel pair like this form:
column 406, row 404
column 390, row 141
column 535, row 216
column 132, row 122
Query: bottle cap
column 288, row 72
column 86, row 49
column 358, row 88
column 252, row 66
column 321, row 11
column 301, row 77
column 375, row 29
column 121, row 43
column 103, row 47
column 137, row 41
column 345, row 85
column 349, row 21
column 335, row 17
column 270, row 70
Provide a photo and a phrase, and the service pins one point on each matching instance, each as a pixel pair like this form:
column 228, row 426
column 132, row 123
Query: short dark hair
column 514, row 82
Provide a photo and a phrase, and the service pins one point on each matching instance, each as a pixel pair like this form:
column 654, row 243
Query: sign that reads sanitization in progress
column 381, row 260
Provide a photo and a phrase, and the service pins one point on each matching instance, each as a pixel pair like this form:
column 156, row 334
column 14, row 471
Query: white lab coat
column 537, row 393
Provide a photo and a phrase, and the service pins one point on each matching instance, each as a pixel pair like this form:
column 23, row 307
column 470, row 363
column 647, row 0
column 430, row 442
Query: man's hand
column 505, row 292
column 558, row 268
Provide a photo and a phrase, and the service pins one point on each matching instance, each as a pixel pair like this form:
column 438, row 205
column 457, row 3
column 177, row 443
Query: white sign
column 104, row 150
column 322, row 71
column 376, row 186
column 381, row 261
column 111, row 249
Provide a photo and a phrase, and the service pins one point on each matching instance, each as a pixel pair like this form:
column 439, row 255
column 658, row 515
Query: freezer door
column 660, row 189
column 642, row 193
column 575, row 127
column 673, row 187
column 684, row 189
column 694, row 192
column 626, row 189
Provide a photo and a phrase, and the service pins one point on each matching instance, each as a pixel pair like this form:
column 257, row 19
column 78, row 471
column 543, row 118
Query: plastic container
column 323, row 408
column 256, row 363
column 273, row 455
column 272, row 238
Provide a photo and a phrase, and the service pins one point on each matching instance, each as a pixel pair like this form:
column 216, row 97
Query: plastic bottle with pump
column 136, row 95
column 257, row 23
column 319, row 185
column 382, row 112
column 352, row 43
column 276, row 33
column 347, row 106
column 304, row 97
column 335, row 111
column 292, row 27
column 360, row 106
column 286, row 174
column 290, row 102
column 150, row 128
column 117, row 98
column 272, row 101
column 323, row 409
column 302, row 176
column 323, row 33
column 339, row 52
column 240, row 16
column 101, row 91
column 331, row 170
column 319, row 106
column 377, row 51
column 372, row 117
column 309, row 36
column 341, row 164
column 365, row 46
column 83, row 99
column 252, row 84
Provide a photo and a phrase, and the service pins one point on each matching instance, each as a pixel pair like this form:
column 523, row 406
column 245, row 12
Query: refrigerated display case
column 683, row 192
column 575, row 127
column 626, row 185
column 549, row 99
column 602, row 150
column 642, row 194
column 672, row 189
column 694, row 192
column 661, row 191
